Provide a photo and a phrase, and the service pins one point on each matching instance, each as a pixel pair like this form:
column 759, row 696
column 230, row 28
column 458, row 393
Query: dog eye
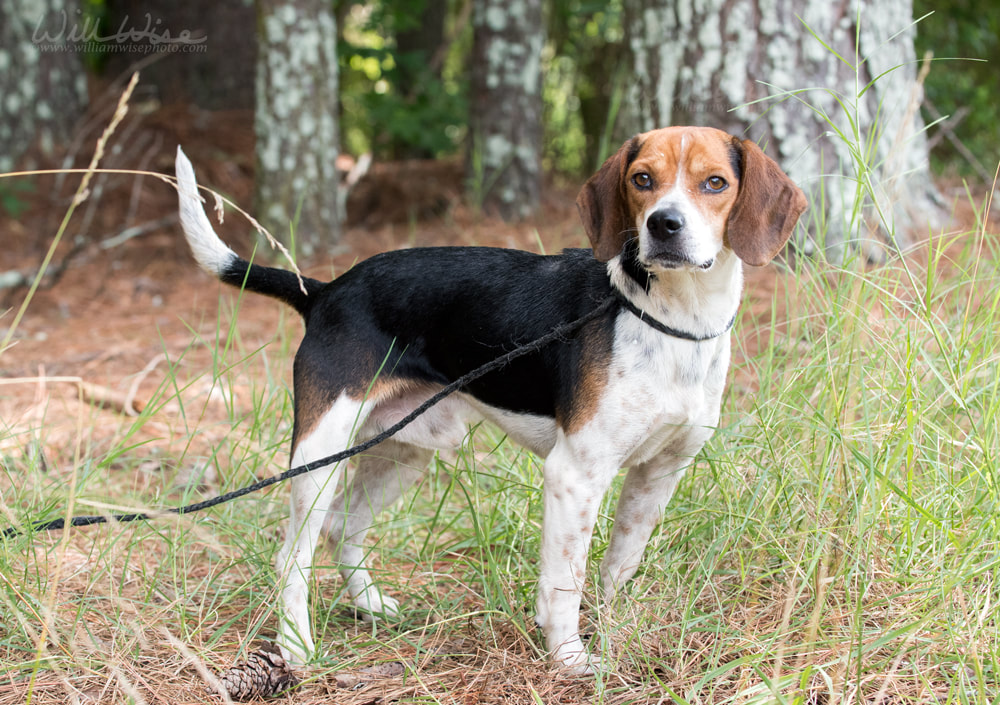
column 715, row 184
column 642, row 180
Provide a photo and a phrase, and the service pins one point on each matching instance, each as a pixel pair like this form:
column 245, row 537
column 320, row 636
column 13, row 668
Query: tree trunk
column 296, row 122
column 733, row 64
column 214, row 75
column 43, row 89
column 504, row 166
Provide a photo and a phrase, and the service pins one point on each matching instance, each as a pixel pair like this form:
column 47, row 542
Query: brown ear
column 602, row 204
column 766, row 209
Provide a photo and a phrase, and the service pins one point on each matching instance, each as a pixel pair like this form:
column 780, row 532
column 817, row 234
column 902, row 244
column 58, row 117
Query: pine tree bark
column 504, row 164
column 761, row 70
column 296, row 122
column 43, row 89
column 219, row 76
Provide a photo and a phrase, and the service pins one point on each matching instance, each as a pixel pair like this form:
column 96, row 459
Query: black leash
column 534, row 346
column 555, row 334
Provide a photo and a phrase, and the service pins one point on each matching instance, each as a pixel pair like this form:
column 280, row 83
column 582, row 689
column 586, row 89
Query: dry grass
column 837, row 542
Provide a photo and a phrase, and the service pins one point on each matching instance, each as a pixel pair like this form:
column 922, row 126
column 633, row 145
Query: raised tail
column 216, row 258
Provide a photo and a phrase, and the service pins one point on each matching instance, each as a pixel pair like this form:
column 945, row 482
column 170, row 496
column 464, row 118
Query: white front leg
column 572, row 493
column 311, row 497
column 647, row 489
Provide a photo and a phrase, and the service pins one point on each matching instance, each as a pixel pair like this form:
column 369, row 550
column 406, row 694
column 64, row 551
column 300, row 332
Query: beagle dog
column 672, row 218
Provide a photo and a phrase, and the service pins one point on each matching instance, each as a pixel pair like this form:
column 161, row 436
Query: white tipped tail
column 212, row 254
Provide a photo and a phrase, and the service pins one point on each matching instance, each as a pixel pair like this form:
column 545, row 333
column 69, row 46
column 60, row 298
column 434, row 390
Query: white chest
column 663, row 394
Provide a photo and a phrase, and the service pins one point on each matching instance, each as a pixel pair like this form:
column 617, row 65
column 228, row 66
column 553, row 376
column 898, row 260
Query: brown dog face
column 686, row 193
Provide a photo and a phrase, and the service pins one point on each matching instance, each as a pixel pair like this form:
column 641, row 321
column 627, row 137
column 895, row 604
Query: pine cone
column 263, row 674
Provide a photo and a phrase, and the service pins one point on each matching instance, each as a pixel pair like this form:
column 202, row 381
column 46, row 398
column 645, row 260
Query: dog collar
column 663, row 328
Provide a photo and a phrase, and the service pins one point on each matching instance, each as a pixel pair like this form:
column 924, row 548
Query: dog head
column 686, row 193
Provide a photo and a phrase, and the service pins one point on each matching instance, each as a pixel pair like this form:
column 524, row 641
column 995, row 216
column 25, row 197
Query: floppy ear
column 602, row 204
column 766, row 209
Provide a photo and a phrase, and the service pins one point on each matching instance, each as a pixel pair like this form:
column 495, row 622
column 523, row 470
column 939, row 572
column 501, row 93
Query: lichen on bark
column 759, row 69
column 504, row 164
column 43, row 89
column 296, row 122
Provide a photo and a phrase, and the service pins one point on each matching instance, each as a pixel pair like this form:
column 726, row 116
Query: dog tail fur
column 216, row 258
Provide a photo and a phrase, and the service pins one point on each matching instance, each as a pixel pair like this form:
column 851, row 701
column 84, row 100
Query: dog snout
column 665, row 223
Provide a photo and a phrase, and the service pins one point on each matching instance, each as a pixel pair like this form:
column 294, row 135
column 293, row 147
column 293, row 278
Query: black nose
column 665, row 223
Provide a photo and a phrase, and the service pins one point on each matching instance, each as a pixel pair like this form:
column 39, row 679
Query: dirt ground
column 106, row 311
column 110, row 312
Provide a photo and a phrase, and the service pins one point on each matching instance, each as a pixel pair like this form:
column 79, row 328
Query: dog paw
column 372, row 605
column 294, row 652
column 576, row 660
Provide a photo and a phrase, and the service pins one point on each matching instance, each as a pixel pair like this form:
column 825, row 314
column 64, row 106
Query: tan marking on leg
column 592, row 378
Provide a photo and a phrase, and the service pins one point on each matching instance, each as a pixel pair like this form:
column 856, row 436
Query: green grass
column 837, row 540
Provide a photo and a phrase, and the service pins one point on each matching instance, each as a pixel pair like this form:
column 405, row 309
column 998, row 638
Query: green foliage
column 408, row 103
column 11, row 191
column 582, row 63
column 400, row 103
column 967, row 34
column 94, row 13
column 427, row 121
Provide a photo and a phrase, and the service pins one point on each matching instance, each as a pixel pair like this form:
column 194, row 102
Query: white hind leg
column 311, row 496
column 382, row 475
